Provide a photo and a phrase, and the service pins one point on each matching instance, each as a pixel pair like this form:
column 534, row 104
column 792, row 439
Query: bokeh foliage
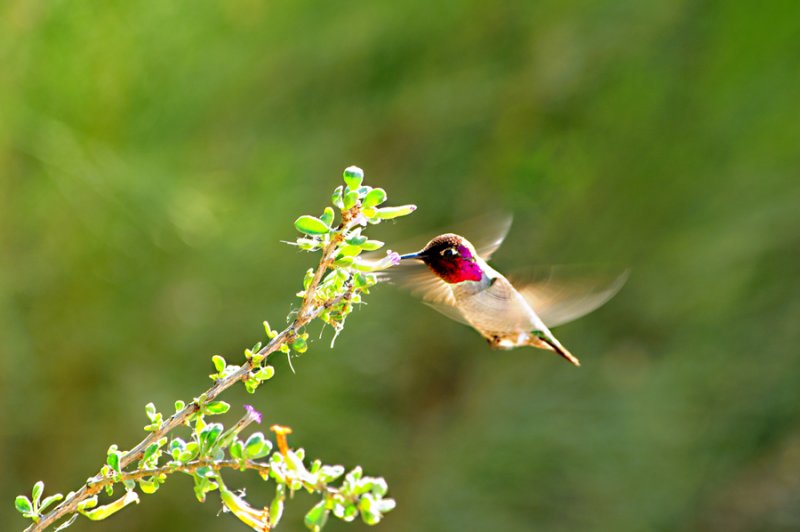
column 151, row 156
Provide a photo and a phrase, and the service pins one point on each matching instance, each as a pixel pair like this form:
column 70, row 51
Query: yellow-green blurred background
column 153, row 155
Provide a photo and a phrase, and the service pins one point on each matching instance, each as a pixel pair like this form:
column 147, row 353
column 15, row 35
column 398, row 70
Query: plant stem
column 188, row 467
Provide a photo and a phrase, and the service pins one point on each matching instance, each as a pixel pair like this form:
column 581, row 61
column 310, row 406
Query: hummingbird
column 462, row 285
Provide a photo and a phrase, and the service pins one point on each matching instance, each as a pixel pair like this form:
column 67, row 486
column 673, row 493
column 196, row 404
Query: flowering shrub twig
column 329, row 293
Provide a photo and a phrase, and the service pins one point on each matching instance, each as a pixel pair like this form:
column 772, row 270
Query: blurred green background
column 153, row 155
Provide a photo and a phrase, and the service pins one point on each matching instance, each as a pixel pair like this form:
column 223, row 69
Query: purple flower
column 360, row 219
column 253, row 414
column 392, row 258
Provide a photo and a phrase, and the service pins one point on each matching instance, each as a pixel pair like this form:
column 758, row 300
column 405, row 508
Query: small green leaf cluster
column 33, row 507
column 356, row 495
column 257, row 374
column 349, row 273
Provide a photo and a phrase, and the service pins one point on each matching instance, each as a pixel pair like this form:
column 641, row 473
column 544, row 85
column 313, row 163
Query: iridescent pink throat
column 457, row 269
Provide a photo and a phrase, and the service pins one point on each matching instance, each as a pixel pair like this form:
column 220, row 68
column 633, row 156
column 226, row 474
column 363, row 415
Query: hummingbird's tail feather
column 549, row 342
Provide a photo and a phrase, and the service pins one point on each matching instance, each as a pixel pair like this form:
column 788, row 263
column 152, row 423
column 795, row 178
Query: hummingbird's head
column 451, row 257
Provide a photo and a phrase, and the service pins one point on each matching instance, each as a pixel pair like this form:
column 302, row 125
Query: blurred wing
column 486, row 232
column 434, row 292
column 564, row 294
column 451, row 312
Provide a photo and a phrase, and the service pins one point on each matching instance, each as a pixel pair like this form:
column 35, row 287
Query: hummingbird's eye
column 449, row 252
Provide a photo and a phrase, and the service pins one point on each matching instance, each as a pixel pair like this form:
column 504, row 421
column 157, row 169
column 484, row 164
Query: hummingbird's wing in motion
column 563, row 294
column 486, row 232
column 434, row 292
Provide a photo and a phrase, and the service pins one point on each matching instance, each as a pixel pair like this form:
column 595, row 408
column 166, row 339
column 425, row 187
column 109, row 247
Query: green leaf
column 264, row 374
column 349, row 250
column 308, row 277
column 375, row 197
column 257, row 446
column 372, row 245
column 353, row 176
column 354, row 475
column 355, row 238
column 200, row 488
column 311, row 225
column 219, row 363
column 340, row 276
column 350, row 513
column 350, row 199
column 112, row 458
column 389, row 213
column 150, row 410
column 150, row 451
column 176, row 447
column 363, row 281
column 36, row 493
column 369, row 512
column 336, row 197
column 217, row 407
column 251, row 385
column 270, row 333
column 308, row 244
column 23, row 504
column 236, row 449
column 300, row 345
column 148, row 486
column 209, row 435
column 378, row 486
column 343, row 262
column 50, row 500
column 327, row 216
column 317, row 516
column 179, row 405
column 330, row 473
column 276, row 509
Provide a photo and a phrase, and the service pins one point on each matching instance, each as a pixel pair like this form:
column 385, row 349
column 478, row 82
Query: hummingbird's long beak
column 416, row 255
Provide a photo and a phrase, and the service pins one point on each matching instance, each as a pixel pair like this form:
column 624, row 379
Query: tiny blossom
column 360, row 219
column 253, row 414
column 394, row 257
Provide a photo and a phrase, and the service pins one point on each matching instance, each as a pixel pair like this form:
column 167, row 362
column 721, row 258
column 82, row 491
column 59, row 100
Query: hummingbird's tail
column 546, row 340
